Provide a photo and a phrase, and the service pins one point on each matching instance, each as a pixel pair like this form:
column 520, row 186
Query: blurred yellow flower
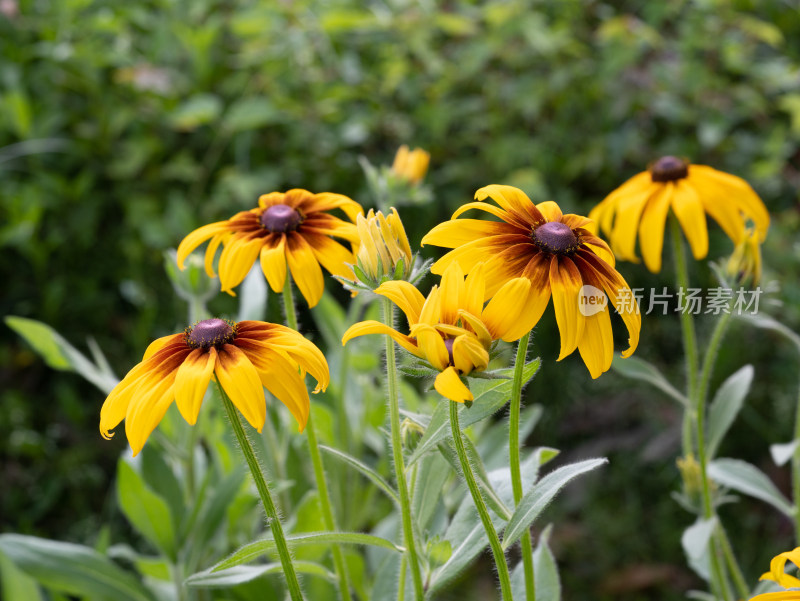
column 642, row 203
column 411, row 165
column 293, row 227
column 243, row 356
column 778, row 596
column 559, row 256
column 744, row 265
column 777, row 569
column 383, row 247
column 450, row 328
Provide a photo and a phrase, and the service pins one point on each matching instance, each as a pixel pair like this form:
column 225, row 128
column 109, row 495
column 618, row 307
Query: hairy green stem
column 796, row 473
column 480, row 505
column 266, row 498
column 526, row 543
column 735, row 570
column 316, row 461
column 397, row 455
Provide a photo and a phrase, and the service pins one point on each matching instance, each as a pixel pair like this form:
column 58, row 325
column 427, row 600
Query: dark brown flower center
column 281, row 218
column 210, row 332
column 555, row 237
column 448, row 344
column 668, row 169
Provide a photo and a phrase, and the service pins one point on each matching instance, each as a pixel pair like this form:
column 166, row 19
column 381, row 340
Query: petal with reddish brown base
column 191, row 382
column 273, row 261
column 565, row 285
column 237, row 258
column 241, row 382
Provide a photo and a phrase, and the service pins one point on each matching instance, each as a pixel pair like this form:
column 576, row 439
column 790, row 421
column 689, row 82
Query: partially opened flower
column 777, row 569
column 383, row 247
column 640, row 206
column 411, row 165
column 293, row 227
column 744, row 265
column 560, row 258
column 242, row 356
column 450, row 328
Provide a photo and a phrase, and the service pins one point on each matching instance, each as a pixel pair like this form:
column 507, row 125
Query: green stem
column 687, row 322
column 796, row 472
column 266, row 498
column 316, row 461
column 739, row 580
column 397, row 455
column 480, row 505
column 514, row 462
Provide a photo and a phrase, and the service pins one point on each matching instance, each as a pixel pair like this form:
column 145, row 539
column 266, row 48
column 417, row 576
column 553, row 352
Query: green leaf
column 258, row 548
column 60, row 354
column 367, row 471
column 490, row 397
column 639, row 369
column 145, row 510
column 547, row 583
column 726, row 406
column 196, row 111
column 533, row 503
column 223, row 495
column 695, row 541
column 749, row 480
column 241, row 574
column 764, row 321
column 432, row 471
column 249, row 114
column 782, row 453
column 72, row 569
column 16, row 584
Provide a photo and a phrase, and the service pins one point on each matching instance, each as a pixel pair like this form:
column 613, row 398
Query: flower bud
column 411, row 165
column 744, row 265
column 384, row 252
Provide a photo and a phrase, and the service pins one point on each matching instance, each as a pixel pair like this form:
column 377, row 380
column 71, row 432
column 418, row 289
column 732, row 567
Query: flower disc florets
column 556, row 238
column 668, row 169
column 281, row 218
column 210, row 332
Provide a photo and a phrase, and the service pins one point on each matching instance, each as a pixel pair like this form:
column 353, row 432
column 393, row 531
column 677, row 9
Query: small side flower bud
column 384, row 253
column 411, row 165
column 744, row 265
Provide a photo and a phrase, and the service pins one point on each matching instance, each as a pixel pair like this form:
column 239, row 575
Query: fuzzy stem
column 480, row 505
column 514, row 462
column 796, row 473
column 266, row 498
column 316, row 460
column 397, row 455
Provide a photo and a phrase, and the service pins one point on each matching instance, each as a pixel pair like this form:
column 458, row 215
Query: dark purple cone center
column 555, row 237
column 668, row 169
column 211, row 332
column 448, row 344
column 280, row 218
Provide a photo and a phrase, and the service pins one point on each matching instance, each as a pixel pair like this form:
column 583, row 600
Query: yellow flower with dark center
column 642, row 203
column 411, row 165
column 383, row 245
column 293, row 227
column 242, row 356
column 560, row 258
column 450, row 328
column 777, row 569
column 744, row 265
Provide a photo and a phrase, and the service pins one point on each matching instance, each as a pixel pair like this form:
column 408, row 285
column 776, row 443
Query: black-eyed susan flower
column 744, row 265
column 777, row 569
column 242, row 356
column 450, row 329
column 293, row 227
column 560, row 258
column 411, row 165
column 641, row 205
column 384, row 252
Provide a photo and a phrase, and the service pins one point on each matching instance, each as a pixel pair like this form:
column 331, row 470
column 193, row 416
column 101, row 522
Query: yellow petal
column 474, row 290
column 241, row 382
column 405, row 296
column 626, row 226
column 480, row 329
column 467, row 255
column 597, row 343
column 273, row 264
column 716, row 204
column 191, row 382
column 503, row 311
column 450, row 386
column 469, row 354
column 550, row 210
column 510, row 198
column 565, row 284
column 151, row 402
column 460, row 231
column 211, row 251
column 431, row 312
column 651, row 226
column 777, row 569
column 375, row 327
column 331, row 255
column 327, row 201
column 296, row 347
column 161, row 343
column 450, row 292
column 692, row 218
column 197, row 237
column 305, row 269
column 236, row 260
column 431, row 344
column 486, row 208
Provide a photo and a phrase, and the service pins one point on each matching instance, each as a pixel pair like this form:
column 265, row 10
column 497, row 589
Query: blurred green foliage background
column 123, row 126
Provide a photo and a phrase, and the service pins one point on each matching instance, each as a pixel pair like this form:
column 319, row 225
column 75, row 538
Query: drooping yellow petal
column 738, row 191
column 469, row 354
column 162, row 343
column 211, row 252
column 715, row 203
column 486, row 208
column 404, row 295
column 431, row 344
column 375, row 327
column 327, row 201
column 626, row 226
column 565, row 284
column 597, row 343
column 237, row 259
column 197, row 237
column 450, row 292
column 504, row 310
column 241, row 382
column 512, row 199
column 474, row 290
column 777, row 569
column 651, row 226
column 550, row 210
column 273, row 264
column 480, row 329
column 191, row 382
column 305, row 269
column 450, row 386
column 150, row 403
column 689, row 211
column 331, row 255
